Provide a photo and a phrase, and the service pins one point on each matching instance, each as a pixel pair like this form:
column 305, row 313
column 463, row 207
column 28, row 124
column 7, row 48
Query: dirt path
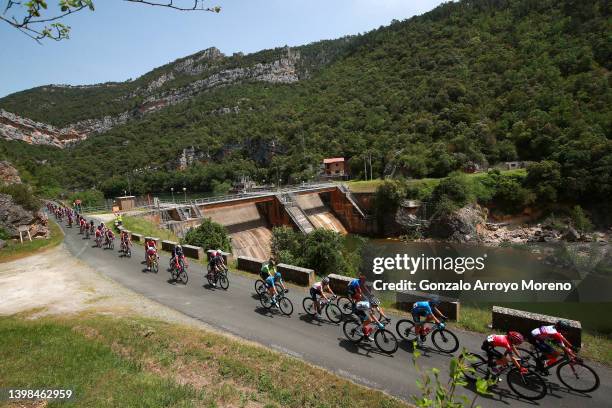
column 55, row 282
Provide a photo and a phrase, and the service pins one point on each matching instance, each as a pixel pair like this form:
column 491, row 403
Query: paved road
column 238, row 311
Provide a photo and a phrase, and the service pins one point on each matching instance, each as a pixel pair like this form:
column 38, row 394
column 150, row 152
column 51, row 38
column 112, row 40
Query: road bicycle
column 571, row 371
column 279, row 301
column 530, row 385
column 332, row 311
column 154, row 262
column 442, row 338
column 99, row 241
column 219, row 277
column 260, row 287
column 347, row 304
column 126, row 248
column 179, row 271
column 109, row 243
column 384, row 339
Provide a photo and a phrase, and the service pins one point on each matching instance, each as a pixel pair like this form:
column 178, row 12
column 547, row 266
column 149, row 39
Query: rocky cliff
column 8, row 174
column 12, row 216
column 280, row 71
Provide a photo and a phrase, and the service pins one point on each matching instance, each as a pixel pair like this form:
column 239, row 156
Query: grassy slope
column 15, row 250
column 143, row 226
column 141, row 362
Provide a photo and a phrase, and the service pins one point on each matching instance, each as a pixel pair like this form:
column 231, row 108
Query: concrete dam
column 250, row 217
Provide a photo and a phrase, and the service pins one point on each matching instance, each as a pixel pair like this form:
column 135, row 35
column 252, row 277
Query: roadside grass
column 134, row 361
column 148, row 228
column 15, row 250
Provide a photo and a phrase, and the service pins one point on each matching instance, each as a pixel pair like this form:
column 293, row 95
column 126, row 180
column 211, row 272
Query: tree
column 34, row 20
column 544, row 179
column 209, row 235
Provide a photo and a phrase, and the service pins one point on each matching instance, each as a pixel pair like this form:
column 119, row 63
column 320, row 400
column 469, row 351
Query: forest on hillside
column 471, row 82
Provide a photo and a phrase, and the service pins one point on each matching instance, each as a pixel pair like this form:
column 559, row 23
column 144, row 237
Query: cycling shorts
column 269, row 282
column 314, row 293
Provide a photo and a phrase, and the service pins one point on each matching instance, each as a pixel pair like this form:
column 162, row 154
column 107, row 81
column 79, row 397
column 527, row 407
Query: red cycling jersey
column 499, row 340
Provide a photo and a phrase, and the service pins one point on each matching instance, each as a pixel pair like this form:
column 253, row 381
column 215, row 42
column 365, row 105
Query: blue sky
column 122, row 40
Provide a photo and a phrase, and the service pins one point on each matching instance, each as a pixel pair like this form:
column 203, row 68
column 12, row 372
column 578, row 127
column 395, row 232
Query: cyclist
column 269, row 282
column 99, row 233
column 216, row 264
column 110, row 236
column 356, row 287
column 177, row 253
column 375, row 302
column 427, row 309
column 363, row 310
column 125, row 241
column 508, row 342
column 92, row 226
column 543, row 338
column 318, row 290
column 268, row 269
column 150, row 252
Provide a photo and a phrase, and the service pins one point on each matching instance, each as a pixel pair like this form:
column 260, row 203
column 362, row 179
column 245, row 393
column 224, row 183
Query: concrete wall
column 338, row 283
column 346, row 212
column 505, row 319
column 137, row 237
column 448, row 306
column 293, row 274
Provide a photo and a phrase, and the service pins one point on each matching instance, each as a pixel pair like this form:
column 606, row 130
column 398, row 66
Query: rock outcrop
column 281, row 71
column 8, row 174
column 463, row 225
column 12, row 216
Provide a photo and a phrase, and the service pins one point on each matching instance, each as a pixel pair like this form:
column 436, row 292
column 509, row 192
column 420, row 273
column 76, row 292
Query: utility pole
column 365, row 168
column 371, row 178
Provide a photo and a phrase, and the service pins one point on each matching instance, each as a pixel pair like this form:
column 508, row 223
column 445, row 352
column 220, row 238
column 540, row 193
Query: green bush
column 209, row 235
column 451, row 193
column 580, row 221
column 3, row 234
column 322, row 250
column 89, row 198
column 22, row 194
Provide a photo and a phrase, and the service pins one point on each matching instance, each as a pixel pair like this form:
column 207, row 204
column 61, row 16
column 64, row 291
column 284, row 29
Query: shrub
column 580, row 221
column 209, row 235
column 22, row 194
column 89, row 198
column 451, row 193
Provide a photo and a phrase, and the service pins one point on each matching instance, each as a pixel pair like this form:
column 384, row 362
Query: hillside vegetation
column 471, row 82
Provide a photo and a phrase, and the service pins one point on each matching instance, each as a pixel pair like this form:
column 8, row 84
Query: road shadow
column 317, row 320
column 554, row 390
column 363, row 348
column 273, row 312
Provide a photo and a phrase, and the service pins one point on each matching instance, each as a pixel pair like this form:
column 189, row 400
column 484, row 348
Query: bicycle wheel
column 529, row 386
column 386, row 341
column 405, row 329
column 128, row 253
column 266, row 300
column 309, row 306
column 211, row 279
column 346, row 305
column 183, row 277
column 155, row 267
column 528, row 358
column 260, row 287
column 285, row 306
column 445, row 341
column 477, row 367
column 352, row 330
column 333, row 312
column 223, row 280
column 578, row 377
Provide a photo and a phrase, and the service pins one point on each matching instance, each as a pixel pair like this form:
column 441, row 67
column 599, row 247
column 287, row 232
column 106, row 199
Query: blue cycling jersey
column 422, row 308
column 354, row 284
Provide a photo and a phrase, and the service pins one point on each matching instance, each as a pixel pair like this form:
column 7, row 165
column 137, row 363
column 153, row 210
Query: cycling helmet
column 515, row 338
column 213, row 253
column 325, row 281
column 562, row 325
column 374, row 301
column 179, row 248
column 362, row 305
column 277, row 276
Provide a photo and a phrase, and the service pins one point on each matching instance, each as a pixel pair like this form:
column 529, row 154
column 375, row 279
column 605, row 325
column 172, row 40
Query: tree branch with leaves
column 35, row 20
